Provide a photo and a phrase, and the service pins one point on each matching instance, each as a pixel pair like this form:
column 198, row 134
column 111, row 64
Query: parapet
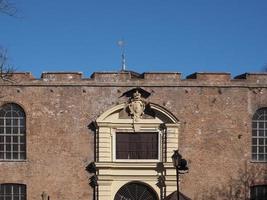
column 21, row 76
column 61, row 76
column 114, row 76
column 253, row 77
column 148, row 78
column 210, row 77
column 130, row 75
column 162, row 76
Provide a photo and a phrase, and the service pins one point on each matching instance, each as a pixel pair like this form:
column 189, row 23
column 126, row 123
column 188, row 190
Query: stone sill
column 135, row 165
column 13, row 161
column 258, row 161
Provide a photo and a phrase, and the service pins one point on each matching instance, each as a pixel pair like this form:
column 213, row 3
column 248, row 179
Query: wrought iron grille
column 135, row 191
column 259, row 135
column 137, row 145
column 258, row 192
column 12, row 192
column 12, row 132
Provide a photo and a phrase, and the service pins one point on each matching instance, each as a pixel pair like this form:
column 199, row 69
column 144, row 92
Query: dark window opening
column 258, row 192
column 137, row 145
column 12, row 192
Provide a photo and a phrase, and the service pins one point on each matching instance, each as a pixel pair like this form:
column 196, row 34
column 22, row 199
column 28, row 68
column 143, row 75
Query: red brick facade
column 214, row 110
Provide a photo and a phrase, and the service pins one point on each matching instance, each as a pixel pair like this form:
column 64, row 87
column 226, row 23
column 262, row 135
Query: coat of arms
column 136, row 106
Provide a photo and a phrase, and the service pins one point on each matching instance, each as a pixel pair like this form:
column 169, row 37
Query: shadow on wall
column 173, row 196
column 238, row 188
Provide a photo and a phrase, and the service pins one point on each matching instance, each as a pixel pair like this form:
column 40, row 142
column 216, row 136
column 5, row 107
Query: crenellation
column 162, row 76
column 61, row 76
column 253, row 77
column 114, row 76
column 210, row 77
column 22, row 76
column 130, row 77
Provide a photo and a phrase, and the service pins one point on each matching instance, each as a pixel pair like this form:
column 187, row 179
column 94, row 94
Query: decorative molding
column 114, row 173
column 136, row 106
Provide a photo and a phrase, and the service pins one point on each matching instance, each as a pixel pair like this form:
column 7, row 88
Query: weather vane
column 121, row 44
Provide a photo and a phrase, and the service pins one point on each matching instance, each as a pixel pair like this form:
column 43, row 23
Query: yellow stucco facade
column 113, row 173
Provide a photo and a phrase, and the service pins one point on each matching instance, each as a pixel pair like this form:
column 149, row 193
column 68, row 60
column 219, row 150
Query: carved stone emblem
column 136, row 106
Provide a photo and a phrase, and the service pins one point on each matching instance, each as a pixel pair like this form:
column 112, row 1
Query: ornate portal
column 128, row 152
column 136, row 106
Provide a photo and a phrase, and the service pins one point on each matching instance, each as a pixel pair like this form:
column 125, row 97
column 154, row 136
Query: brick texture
column 215, row 112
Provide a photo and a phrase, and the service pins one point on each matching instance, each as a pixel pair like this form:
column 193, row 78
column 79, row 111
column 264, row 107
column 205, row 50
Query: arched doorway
column 136, row 191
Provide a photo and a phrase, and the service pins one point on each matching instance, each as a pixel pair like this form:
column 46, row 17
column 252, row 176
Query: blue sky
column 161, row 35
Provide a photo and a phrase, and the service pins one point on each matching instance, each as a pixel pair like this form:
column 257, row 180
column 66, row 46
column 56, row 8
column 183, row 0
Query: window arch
column 12, row 132
column 136, row 191
column 259, row 135
column 12, row 191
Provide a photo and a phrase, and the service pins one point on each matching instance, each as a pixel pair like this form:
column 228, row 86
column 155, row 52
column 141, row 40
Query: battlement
column 61, row 76
column 162, row 76
column 253, row 77
column 114, row 76
column 22, row 76
column 130, row 75
column 146, row 77
column 208, row 76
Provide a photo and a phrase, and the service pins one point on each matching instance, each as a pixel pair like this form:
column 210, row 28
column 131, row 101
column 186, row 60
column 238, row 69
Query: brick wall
column 215, row 113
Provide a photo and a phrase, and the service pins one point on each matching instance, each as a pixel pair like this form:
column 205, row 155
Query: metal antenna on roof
column 121, row 44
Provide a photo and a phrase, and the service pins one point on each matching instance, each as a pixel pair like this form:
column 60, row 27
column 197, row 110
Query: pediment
column 153, row 113
column 137, row 109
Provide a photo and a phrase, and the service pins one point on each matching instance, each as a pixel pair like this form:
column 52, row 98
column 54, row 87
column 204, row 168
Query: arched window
column 12, row 132
column 136, row 191
column 259, row 135
column 12, row 191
